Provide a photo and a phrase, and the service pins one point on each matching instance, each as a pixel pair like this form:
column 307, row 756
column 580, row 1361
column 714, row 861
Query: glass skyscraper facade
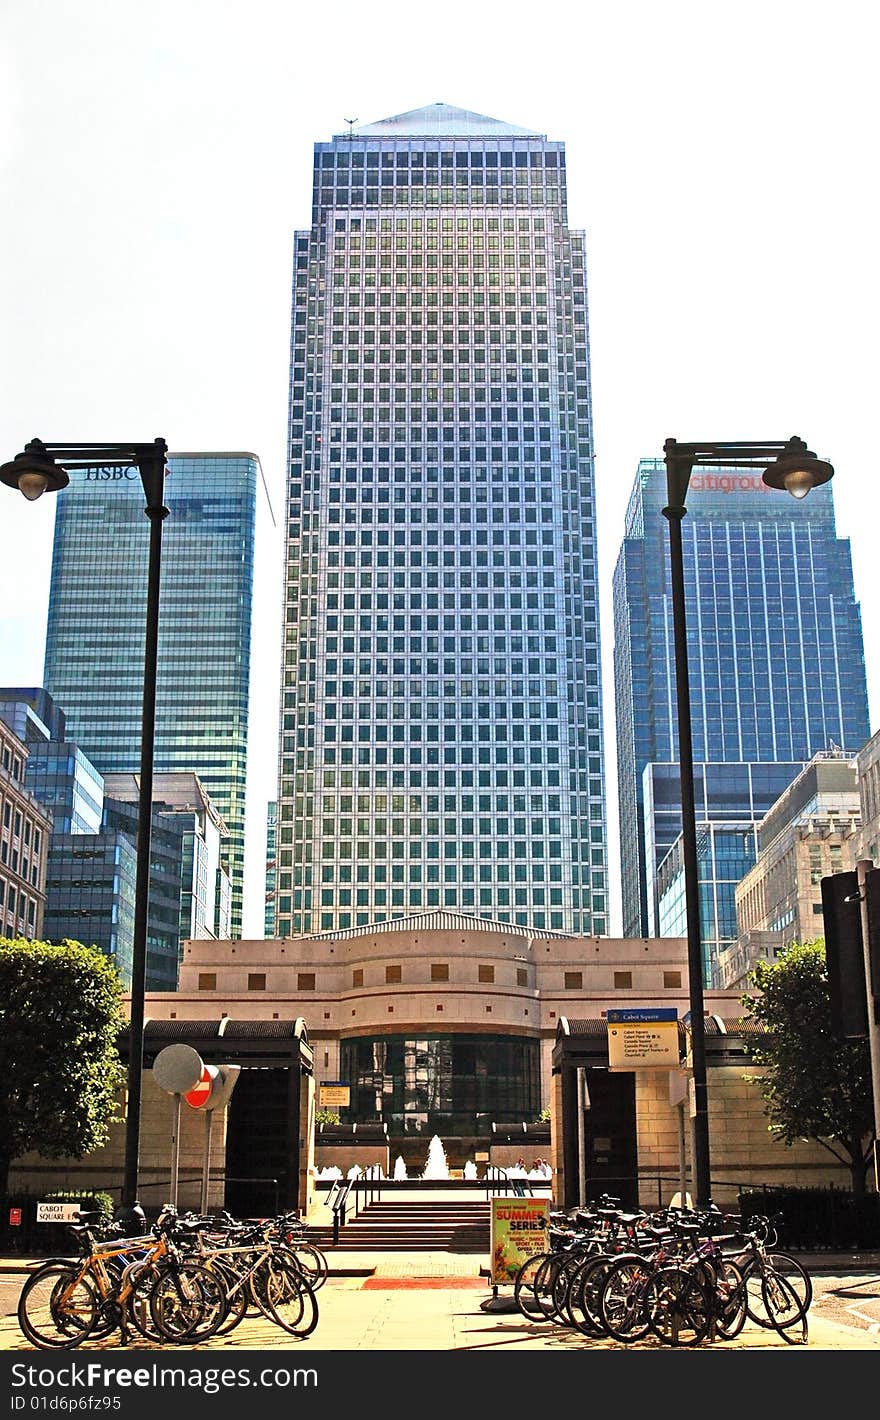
column 441, row 731
column 96, row 626
column 775, row 657
column 725, row 853
column 271, row 869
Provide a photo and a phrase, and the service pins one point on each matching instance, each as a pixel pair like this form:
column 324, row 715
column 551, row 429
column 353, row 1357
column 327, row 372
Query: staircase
column 391, row 1225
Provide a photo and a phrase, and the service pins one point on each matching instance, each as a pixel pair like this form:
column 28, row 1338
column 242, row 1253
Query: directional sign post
column 177, row 1069
column 183, row 1073
column 58, row 1212
column 210, row 1095
column 334, row 1094
column 643, row 1038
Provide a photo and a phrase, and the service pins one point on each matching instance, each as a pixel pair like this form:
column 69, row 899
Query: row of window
column 351, row 157
column 13, row 763
column 18, row 911
column 366, row 190
column 439, row 971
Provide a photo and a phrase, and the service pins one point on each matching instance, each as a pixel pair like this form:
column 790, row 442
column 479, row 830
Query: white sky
column 155, row 160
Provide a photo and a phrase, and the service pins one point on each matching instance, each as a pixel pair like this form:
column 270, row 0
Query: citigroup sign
column 728, row 483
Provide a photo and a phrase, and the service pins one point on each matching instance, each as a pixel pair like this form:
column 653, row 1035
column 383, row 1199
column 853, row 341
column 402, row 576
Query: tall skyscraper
column 97, row 611
column 271, row 869
column 441, row 732
column 775, row 655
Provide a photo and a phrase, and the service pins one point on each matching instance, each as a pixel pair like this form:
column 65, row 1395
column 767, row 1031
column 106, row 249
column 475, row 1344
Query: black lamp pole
column 41, row 468
column 796, row 469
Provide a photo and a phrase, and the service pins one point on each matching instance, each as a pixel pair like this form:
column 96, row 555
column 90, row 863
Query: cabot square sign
column 642, row 1038
column 334, row 1094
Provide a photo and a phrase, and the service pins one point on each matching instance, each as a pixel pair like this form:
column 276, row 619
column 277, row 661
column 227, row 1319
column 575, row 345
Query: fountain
column 470, row 1169
column 400, row 1167
column 436, row 1166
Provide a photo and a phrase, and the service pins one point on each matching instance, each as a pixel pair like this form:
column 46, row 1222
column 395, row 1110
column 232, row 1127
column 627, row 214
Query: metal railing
column 369, row 1184
column 338, row 1202
column 499, row 1180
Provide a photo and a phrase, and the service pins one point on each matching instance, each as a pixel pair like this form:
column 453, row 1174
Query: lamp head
column 34, row 472
column 797, row 469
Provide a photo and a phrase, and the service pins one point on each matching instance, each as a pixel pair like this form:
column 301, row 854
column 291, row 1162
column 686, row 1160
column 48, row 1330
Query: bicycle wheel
column 562, row 1284
column 524, row 1288
column 187, row 1302
column 544, row 1285
column 678, row 1306
column 586, row 1288
column 622, row 1298
column 292, row 1303
column 238, row 1298
column 57, row 1307
column 313, row 1263
column 730, row 1300
column 781, row 1264
column 141, row 1279
column 783, row 1307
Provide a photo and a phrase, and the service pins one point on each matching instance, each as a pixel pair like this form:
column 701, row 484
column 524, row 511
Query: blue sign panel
column 638, row 1014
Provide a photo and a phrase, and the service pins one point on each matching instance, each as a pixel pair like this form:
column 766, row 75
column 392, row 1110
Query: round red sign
column 201, row 1093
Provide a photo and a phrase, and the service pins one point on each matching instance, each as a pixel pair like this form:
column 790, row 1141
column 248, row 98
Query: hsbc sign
column 110, row 474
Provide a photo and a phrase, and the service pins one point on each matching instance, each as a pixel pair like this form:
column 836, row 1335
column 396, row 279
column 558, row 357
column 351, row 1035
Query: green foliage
column 49, row 1239
column 89, row 1201
column 814, row 1086
column 543, row 1116
column 323, row 1115
column 60, row 1014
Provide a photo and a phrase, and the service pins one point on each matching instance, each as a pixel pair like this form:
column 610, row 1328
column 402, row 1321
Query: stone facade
column 383, row 979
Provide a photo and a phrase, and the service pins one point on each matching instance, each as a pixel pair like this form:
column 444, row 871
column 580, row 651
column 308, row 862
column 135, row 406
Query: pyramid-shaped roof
column 440, row 920
column 441, row 121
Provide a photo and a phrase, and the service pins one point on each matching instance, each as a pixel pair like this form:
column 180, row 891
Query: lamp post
column 43, row 468
column 795, row 468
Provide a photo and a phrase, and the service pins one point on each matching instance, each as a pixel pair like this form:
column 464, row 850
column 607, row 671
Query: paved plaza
column 438, row 1302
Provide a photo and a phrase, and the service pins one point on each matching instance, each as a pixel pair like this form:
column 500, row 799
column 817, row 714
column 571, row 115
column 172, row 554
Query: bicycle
column 778, row 1288
column 255, row 1268
column 683, row 1289
column 291, row 1232
column 66, row 1301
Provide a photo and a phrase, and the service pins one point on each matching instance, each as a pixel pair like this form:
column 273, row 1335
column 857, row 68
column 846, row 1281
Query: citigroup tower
column 441, row 733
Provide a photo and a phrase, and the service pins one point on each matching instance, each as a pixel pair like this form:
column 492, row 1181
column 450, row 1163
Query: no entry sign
column 199, row 1095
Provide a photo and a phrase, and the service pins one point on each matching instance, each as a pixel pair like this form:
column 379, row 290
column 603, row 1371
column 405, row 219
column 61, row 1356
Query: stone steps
column 411, row 1227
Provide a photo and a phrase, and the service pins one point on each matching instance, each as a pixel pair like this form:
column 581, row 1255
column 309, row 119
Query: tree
column 60, row 1014
column 323, row 1115
column 816, row 1085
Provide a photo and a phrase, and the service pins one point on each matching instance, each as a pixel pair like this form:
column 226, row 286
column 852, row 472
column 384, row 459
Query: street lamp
column 796, row 469
column 42, row 468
